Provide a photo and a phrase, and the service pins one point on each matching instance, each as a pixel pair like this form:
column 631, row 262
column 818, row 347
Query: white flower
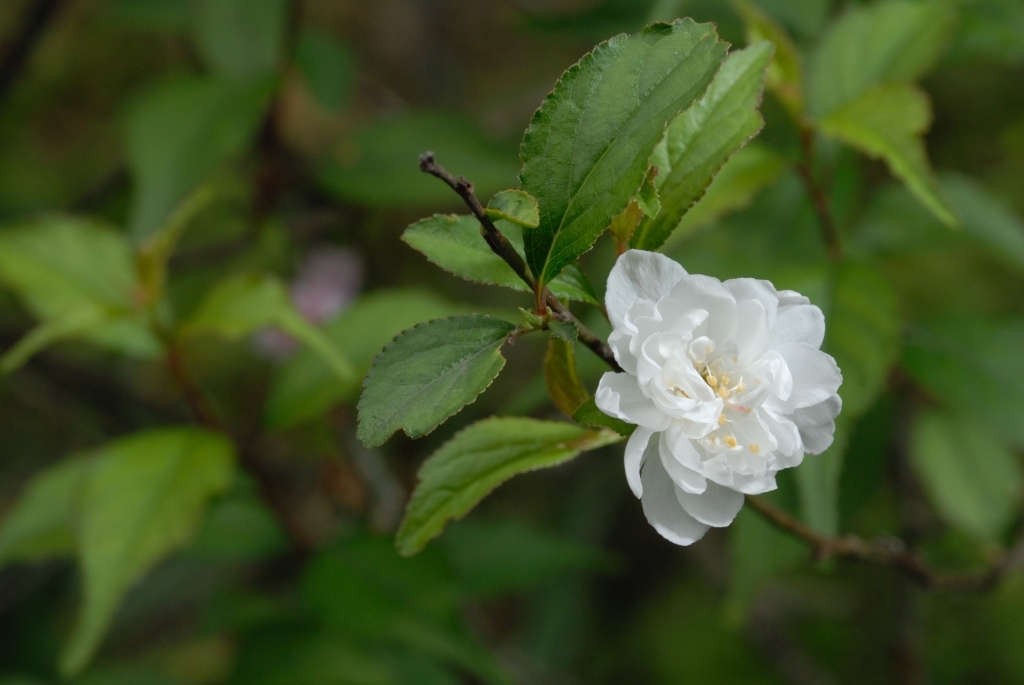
column 725, row 383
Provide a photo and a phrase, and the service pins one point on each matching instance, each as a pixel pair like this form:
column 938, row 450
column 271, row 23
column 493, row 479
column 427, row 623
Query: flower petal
column 787, row 297
column 635, row 448
column 717, row 506
column 757, row 290
column 682, row 476
column 817, row 424
column 816, row 377
column 752, row 330
column 707, row 293
column 802, row 323
column 639, row 275
column 662, row 507
column 619, row 395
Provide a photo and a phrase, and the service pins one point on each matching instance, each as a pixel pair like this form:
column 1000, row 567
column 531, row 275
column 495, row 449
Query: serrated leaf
column 981, row 356
column 455, row 244
column 178, row 132
column 567, row 331
column 702, row 138
column 973, row 480
column 589, row 415
column 648, row 199
column 624, row 225
column 785, row 75
column 144, row 498
column 588, row 147
column 516, row 206
column 241, row 305
column 564, row 385
column 304, row 387
column 43, row 522
column 240, row 39
column 887, row 122
column 326, row 66
column 885, row 42
column 480, row 458
column 428, row 373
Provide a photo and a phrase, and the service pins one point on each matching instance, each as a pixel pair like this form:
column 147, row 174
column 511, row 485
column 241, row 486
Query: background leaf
column 240, row 39
column 428, row 373
column 480, row 458
column 587, row 149
column 564, row 385
column 327, row 67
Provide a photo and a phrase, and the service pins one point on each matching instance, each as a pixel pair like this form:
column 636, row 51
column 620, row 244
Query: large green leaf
column 305, row 388
column 480, row 458
column 986, row 218
column 975, row 367
column 378, row 167
column 785, row 74
column 327, row 67
column 455, row 244
column 144, row 498
column 428, row 373
column 702, row 138
column 43, row 523
column 588, row 147
column 974, row 482
column 888, row 122
column 886, row 42
column 76, row 276
column 179, row 132
column 240, row 39
column 241, row 305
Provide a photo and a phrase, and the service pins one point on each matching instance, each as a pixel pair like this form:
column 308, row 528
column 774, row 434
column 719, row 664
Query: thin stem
column 821, row 204
column 191, row 391
column 500, row 245
column 889, row 552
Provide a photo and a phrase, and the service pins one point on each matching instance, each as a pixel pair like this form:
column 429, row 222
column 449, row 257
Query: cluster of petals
column 725, row 382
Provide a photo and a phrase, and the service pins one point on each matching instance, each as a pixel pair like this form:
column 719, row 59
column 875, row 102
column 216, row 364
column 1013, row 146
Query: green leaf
column 785, row 75
column 887, row 122
column 648, row 199
column 758, row 551
column 702, row 138
column 975, row 367
column 305, row 387
column 240, row 39
column 241, row 305
column 753, row 168
column 480, row 458
column 179, row 132
column 817, row 480
column 455, row 244
column 974, row 481
column 327, row 67
column 516, row 206
column 378, row 167
column 986, row 218
column 72, row 324
column 624, row 225
column 77, row 277
column 588, row 148
column 428, row 373
column 885, row 42
column 144, row 498
column 43, row 522
column 564, row 385
column 566, row 331
column 862, row 334
column 297, row 656
column 589, row 415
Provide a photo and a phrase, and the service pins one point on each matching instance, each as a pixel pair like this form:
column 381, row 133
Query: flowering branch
column 890, row 552
column 500, row 245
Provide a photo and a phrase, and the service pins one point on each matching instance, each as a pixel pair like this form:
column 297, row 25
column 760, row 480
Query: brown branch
column 818, row 197
column 191, row 391
column 500, row 245
column 15, row 57
column 889, row 552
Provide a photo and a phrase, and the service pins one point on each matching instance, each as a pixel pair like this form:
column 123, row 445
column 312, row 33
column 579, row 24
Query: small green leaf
column 884, row 42
column 887, row 122
column 564, row 385
column 589, row 415
column 241, row 305
column 564, row 330
column 74, row 323
column 588, row 148
column 973, row 480
column 327, row 67
column 702, row 138
column 623, row 226
column 455, row 244
column 785, row 75
column 428, row 373
column 145, row 497
column 240, row 39
column 480, row 458
column 516, row 206
column 648, row 199
column 43, row 523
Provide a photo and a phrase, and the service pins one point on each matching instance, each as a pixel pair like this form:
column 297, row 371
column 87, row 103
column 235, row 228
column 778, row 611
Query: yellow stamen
column 724, row 393
column 712, row 381
column 755, row 448
column 729, row 440
column 721, row 419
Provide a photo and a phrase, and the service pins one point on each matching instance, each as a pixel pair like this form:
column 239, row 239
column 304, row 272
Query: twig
column 36, row 19
column 500, row 245
column 191, row 391
column 818, row 197
column 889, row 552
